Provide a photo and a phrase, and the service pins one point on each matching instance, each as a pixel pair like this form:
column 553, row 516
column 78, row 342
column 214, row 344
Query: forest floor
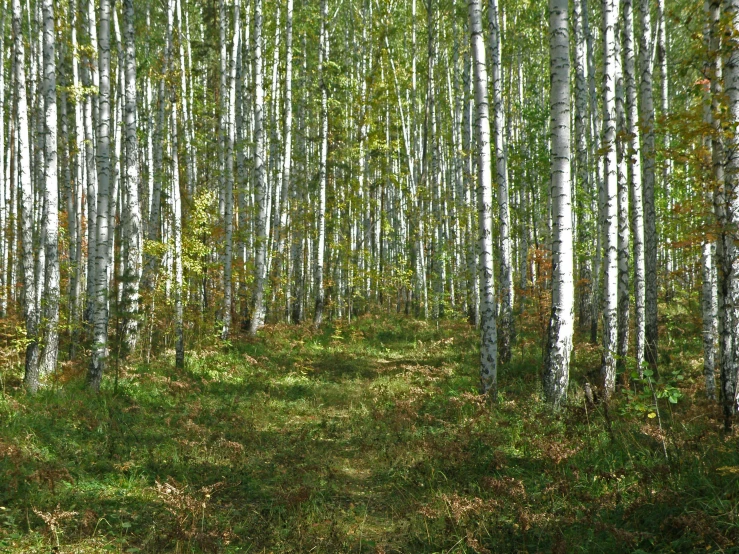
column 366, row 437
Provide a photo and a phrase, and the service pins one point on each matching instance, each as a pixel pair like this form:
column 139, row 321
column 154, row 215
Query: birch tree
column 646, row 121
column 505, row 315
column 581, row 164
column 23, row 167
column 51, row 197
column 131, row 207
column 561, row 323
column 610, row 200
column 102, row 252
column 729, row 219
column 322, row 172
column 635, row 180
column 177, row 250
column 260, row 176
column 488, row 346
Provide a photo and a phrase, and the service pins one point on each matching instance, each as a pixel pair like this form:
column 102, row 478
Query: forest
column 380, row 276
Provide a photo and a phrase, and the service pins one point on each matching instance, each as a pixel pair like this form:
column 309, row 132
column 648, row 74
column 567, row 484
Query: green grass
column 367, row 437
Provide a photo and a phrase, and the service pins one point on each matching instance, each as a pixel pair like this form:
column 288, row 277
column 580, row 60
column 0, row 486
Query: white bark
column 610, row 200
column 561, row 324
column 623, row 293
column 102, row 261
column 288, row 130
column 187, row 116
column 131, row 208
column 488, row 346
column 473, row 285
column 177, row 251
column 23, row 167
column 75, row 206
column 322, row 173
column 260, row 177
column 635, row 181
column 51, row 198
column 4, row 188
column 228, row 105
column 505, row 315
column 646, row 122
column 730, row 288
column 582, row 170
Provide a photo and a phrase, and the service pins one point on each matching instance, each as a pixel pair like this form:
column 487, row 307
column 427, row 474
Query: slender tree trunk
column 228, row 105
column 51, row 196
column 505, row 315
column 596, row 175
column 177, row 253
column 260, row 177
column 74, row 206
column 102, row 261
column 561, row 324
column 583, row 171
column 473, row 285
column 623, row 293
column 646, row 120
column 610, row 200
column 281, row 231
column 322, row 173
column 4, row 188
column 729, row 209
column 131, row 208
column 488, row 347
column 635, row 181
column 23, row 162
column 90, row 79
column 187, row 119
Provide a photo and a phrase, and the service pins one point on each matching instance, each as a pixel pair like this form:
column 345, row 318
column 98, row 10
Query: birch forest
column 369, row 276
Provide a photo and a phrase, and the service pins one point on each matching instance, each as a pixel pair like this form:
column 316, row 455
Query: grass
column 367, row 437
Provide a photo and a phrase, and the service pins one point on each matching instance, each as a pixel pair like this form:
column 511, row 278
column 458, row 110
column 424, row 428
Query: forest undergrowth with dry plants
column 366, row 437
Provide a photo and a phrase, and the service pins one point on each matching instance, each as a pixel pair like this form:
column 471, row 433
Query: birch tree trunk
column 281, row 231
column 596, row 175
column 730, row 219
column 488, row 346
column 23, row 167
column 75, row 203
column 561, row 324
column 322, row 173
column 100, row 303
column 610, row 200
column 51, row 198
column 725, row 247
column 4, row 188
column 177, row 252
column 228, row 105
column 187, row 114
column 635, row 180
column 260, row 177
column 505, row 315
column 581, row 163
column 646, row 121
column 623, row 293
column 131, row 207
column 90, row 79
column 472, row 274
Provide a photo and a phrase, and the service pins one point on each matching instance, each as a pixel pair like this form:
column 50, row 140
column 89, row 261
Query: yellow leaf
column 651, row 415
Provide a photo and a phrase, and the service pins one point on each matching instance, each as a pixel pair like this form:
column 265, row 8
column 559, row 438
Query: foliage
column 364, row 437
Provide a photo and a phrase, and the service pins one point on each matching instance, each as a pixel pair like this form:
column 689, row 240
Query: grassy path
column 364, row 438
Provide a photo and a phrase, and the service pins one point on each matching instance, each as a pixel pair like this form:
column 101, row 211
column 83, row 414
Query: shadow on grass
column 300, row 442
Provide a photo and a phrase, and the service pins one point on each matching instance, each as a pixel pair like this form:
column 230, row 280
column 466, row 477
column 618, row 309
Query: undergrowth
column 367, row 437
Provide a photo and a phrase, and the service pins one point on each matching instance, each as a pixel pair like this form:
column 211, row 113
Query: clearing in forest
column 365, row 437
